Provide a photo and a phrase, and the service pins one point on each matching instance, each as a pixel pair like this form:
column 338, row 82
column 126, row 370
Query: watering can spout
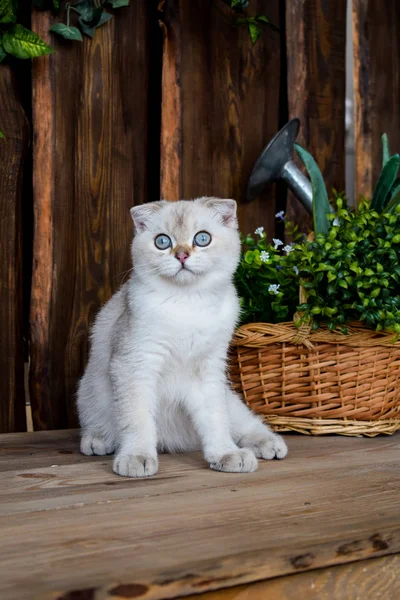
column 276, row 163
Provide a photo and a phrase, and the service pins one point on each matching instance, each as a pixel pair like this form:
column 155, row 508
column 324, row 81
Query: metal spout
column 276, row 162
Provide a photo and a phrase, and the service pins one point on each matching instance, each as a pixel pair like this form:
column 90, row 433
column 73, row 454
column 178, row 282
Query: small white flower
column 277, row 243
column 259, row 231
column 288, row 249
column 274, row 288
column 296, row 270
column 280, row 215
column 336, row 222
column 264, row 256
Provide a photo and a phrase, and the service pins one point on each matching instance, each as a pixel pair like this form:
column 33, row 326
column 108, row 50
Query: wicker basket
column 319, row 382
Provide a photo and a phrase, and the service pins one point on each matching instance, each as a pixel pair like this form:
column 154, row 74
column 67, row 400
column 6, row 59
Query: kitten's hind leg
column 95, row 444
column 95, row 415
column 248, row 431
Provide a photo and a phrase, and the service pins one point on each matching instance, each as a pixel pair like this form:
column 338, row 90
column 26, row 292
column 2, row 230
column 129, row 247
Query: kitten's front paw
column 241, row 461
column 95, row 444
column 135, row 465
column 271, row 446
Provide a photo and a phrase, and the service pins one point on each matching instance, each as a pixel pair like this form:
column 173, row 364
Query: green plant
column 89, row 16
column 353, row 272
column 20, row 42
column 386, row 194
column 267, row 279
column 254, row 24
column 321, row 206
column 16, row 40
column 350, row 271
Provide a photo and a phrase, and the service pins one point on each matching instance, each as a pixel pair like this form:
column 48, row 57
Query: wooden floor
column 70, row 529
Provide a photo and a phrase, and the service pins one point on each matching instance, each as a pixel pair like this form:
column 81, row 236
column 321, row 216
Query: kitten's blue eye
column 202, row 239
column 163, row 242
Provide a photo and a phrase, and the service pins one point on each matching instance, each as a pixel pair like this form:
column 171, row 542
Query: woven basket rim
column 258, row 335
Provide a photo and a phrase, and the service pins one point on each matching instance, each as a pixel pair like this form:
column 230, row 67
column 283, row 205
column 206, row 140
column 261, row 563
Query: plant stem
column 68, row 7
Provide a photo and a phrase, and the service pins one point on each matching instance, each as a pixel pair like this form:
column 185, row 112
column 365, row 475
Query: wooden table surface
column 70, row 529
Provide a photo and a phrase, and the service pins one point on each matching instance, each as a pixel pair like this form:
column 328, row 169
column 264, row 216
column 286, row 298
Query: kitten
column 156, row 377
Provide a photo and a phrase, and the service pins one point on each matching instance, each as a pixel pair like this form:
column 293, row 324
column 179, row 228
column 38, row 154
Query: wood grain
column 374, row 579
column 189, row 530
column 220, row 104
column 376, row 28
column 14, row 125
column 316, row 41
column 90, row 124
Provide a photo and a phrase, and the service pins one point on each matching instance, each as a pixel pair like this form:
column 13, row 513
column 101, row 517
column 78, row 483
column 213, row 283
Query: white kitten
column 156, row 377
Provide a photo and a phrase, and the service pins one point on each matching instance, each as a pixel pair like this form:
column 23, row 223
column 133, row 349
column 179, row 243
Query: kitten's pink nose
column 181, row 256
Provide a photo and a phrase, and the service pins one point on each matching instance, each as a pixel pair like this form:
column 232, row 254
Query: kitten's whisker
column 124, row 273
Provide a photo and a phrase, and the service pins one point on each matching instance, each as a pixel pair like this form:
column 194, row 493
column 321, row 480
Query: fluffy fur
column 156, row 377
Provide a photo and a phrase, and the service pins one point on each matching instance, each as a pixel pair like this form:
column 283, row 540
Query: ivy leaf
column 99, row 17
column 23, row 43
column 118, row 3
column 320, row 196
column 84, row 8
column 266, row 21
column 8, row 11
column 67, row 32
column 2, row 136
column 237, row 5
column 254, row 31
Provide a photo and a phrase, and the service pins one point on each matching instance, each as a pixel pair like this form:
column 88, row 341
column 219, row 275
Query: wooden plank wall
column 376, row 35
column 316, row 46
column 97, row 151
column 221, row 104
column 90, row 105
column 14, row 125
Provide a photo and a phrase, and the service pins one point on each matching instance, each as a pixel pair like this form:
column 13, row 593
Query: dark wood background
column 174, row 104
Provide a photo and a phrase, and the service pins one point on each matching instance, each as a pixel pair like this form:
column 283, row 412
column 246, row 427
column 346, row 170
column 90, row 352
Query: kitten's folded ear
column 224, row 207
column 142, row 214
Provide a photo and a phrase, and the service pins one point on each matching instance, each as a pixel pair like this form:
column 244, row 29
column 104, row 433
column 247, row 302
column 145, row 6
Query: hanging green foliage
column 254, row 24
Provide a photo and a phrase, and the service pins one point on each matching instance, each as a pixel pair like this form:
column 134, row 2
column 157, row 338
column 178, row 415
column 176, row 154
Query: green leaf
column 266, row 21
column 385, row 149
column 8, row 10
column 254, row 31
column 331, row 276
column 99, row 17
column 84, row 8
column 394, row 200
column 3, row 53
column 393, row 195
column 321, row 206
column 118, row 3
column 23, row 43
column 385, row 183
column 237, row 5
column 2, row 136
column 68, row 33
column 56, row 6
